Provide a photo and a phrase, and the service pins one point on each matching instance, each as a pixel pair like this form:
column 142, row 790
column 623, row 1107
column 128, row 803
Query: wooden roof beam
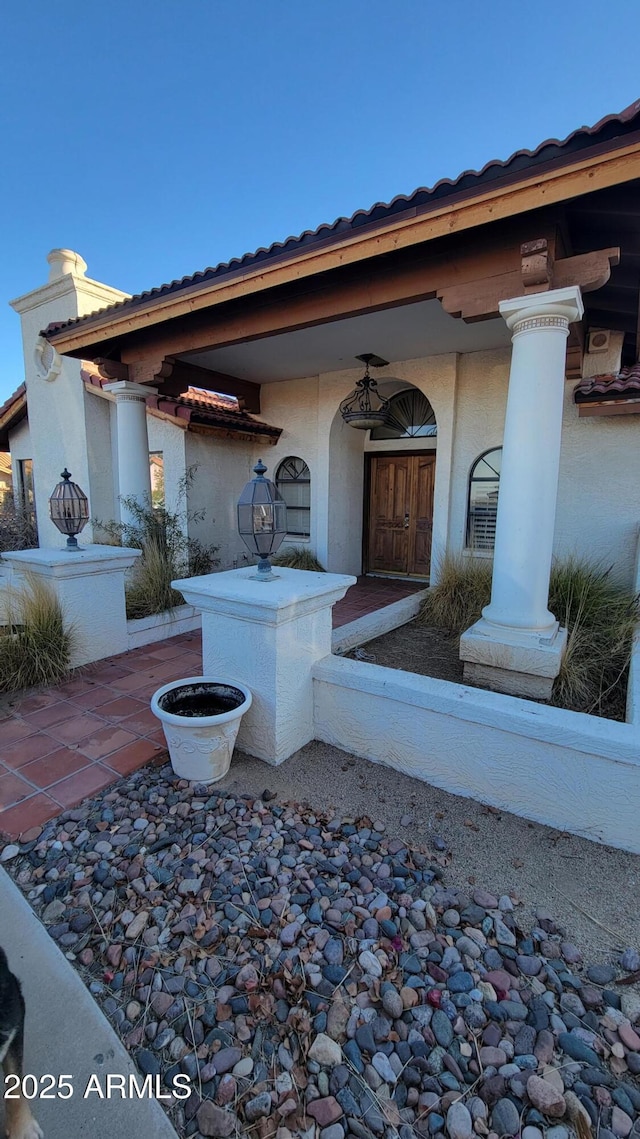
column 178, row 375
column 173, row 377
column 479, row 300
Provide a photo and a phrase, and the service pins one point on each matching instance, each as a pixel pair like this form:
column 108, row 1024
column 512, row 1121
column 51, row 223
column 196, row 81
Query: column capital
column 127, row 391
column 556, row 308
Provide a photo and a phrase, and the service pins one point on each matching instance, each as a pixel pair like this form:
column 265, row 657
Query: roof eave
column 600, row 166
column 11, row 414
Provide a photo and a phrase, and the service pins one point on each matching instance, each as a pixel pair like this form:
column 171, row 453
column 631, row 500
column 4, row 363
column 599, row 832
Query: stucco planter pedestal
column 200, row 716
column 270, row 635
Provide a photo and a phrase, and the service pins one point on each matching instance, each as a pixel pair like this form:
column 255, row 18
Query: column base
column 514, row 661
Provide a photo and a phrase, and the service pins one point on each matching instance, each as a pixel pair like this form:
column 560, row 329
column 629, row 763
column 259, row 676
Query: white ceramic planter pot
column 201, row 716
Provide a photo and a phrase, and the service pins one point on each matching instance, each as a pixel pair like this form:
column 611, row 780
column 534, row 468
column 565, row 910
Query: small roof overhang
column 204, row 412
column 12, row 412
column 615, row 393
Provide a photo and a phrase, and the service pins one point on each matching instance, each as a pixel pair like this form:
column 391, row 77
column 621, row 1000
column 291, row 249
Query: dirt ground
column 415, row 648
column 592, row 890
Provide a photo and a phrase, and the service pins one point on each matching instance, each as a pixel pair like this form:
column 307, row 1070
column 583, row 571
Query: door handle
column 406, row 521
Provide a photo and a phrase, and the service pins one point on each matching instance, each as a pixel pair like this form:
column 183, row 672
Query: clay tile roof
column 197, row 407
column 200, row 397
column 621, row 385
column 552, row 149
column 201, row 413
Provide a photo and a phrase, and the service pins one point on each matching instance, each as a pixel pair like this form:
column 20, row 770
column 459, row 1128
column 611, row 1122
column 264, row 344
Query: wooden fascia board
column 14, row 414
column 234, row 433
column 609, row 407
column 174, row 419
column 457, row 213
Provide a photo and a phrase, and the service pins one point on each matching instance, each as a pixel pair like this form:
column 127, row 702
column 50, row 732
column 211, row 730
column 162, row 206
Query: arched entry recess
column 400, row 467
column 381, row 490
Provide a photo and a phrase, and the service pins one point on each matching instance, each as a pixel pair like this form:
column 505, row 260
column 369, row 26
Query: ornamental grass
column 36, row 640
column 298, row 557
column 599, row 613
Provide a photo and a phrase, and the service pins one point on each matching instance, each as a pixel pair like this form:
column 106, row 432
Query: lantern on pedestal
column 69, row 509
column 262, row 520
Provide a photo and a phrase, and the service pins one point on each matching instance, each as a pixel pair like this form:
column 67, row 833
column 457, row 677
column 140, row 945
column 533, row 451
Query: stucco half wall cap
column 63, row 261
column 289, row 595
column 565, row 302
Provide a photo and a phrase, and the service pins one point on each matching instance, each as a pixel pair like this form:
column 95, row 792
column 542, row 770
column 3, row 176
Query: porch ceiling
column 407, row 332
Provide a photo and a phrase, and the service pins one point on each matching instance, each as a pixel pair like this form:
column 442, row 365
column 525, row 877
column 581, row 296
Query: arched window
column 411, row 416
column 294, row 483
column 484, row 484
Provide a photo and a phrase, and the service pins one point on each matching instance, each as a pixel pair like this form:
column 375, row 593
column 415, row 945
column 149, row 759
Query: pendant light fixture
column 364, row 407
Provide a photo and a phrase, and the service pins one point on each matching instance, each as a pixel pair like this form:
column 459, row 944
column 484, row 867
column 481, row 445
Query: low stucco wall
column 148, row 630
column 372, row 625
column 571, row 771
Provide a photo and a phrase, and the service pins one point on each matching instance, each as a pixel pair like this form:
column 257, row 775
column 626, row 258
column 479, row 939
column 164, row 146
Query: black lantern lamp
column 364, row 407
column 69, row 509
column 262, row 520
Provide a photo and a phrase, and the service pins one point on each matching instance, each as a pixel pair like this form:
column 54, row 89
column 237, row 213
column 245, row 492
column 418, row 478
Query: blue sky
column 157, row 137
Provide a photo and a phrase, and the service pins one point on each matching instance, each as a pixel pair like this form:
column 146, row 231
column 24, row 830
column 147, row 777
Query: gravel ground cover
column 315, row 977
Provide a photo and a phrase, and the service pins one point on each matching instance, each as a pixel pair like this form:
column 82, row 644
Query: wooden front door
column 401, row 513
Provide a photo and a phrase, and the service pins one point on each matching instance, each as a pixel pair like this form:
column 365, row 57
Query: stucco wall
column 224, row 466
column 20, row 443
column 100, row 490
column 20, row 447
column 483, row 380
column 171, row 441
column 294, row 406
column 598, row 493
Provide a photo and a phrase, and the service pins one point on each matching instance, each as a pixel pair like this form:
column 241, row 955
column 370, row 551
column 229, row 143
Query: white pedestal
column 268, row 636
column 89, row 583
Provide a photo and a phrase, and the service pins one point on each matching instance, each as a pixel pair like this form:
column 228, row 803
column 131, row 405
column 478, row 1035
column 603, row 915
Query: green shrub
column 36, row 642
column 599, row 614
column 167, row 551
column 298, row 557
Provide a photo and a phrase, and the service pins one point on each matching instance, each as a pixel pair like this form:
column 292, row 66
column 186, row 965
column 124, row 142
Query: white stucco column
column 517, row 634
column 134, row 477
column 268, row 635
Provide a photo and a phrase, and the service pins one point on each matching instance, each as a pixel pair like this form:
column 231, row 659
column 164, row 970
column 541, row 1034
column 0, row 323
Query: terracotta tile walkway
column 369, row 594
column 61, row 744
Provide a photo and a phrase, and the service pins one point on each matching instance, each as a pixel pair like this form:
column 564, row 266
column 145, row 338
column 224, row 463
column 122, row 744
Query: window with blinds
column 482, row 511
column 293, row 480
